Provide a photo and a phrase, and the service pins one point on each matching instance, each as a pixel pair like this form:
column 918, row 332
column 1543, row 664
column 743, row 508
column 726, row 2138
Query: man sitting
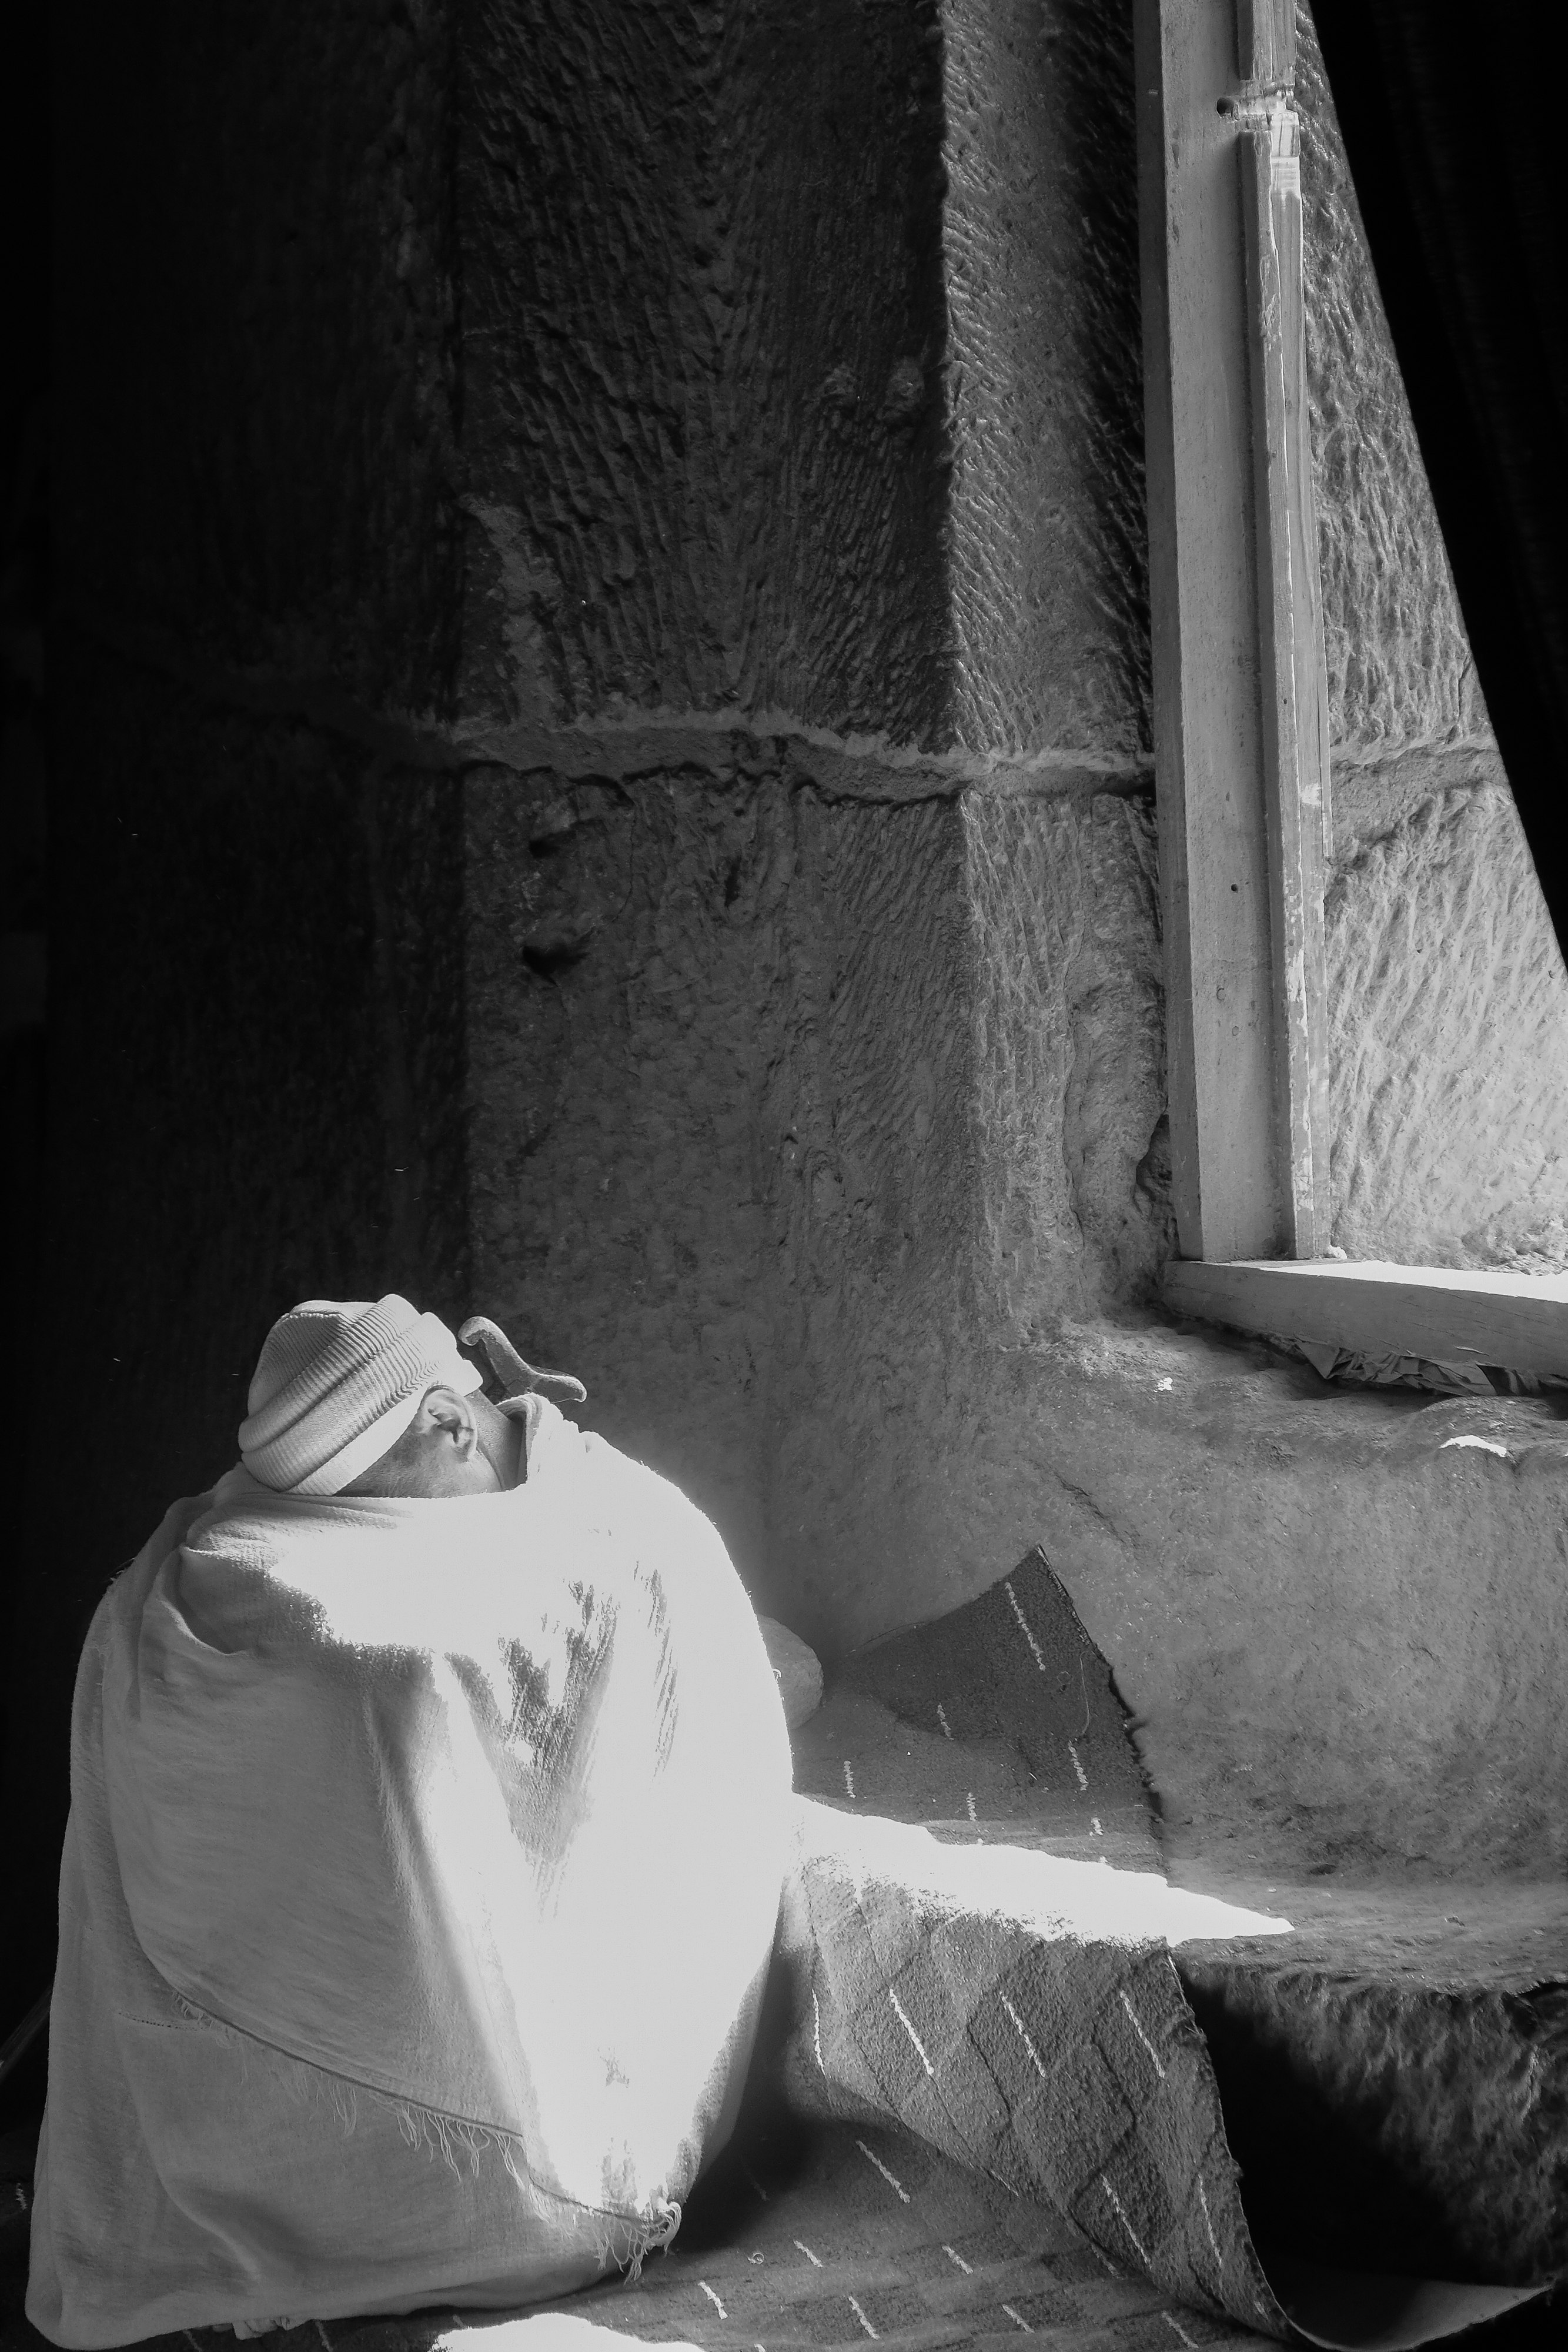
column 430, row 1799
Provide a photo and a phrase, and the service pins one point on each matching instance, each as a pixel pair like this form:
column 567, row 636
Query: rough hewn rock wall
column 703, row 317
column 836, row 434
column 1450, row 1041
column 703, row 1174
column 1400, row 671
column 816, row 1033
column 1044, row 380
column 1068, row 1104
column 1449, row 995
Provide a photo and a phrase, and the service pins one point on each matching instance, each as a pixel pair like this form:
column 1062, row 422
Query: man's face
column 455, row 1444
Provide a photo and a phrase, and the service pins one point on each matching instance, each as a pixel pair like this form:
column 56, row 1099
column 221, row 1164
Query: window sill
column 1450, row 1316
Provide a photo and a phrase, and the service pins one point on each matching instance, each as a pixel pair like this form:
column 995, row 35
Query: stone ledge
column 1342, row 1636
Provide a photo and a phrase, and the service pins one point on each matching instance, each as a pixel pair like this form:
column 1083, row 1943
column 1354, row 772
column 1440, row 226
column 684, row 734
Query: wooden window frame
column 1240, row 722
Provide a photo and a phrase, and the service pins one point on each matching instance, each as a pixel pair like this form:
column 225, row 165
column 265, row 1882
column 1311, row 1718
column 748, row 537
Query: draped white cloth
column 424, row 1864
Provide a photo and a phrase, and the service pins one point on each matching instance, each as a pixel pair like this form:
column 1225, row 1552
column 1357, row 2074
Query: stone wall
column 1043, row 382
column 815, row 1021
column 1449, row 1002
column 702, row 322
column 813, row 920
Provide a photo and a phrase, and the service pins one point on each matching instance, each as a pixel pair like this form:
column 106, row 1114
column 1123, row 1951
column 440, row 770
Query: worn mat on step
column 1378, row 2121
column 1001, row 1712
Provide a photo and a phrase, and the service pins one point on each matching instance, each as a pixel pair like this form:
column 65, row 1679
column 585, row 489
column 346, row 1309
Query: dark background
column 24, row 158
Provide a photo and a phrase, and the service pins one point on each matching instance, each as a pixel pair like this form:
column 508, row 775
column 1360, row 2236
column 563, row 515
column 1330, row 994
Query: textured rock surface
column 773, row 1082
column 1399, row 661
column 816, row 1091
column 1425, row 2132
column 1448, row 998
column 702, row 321
column 698, row 1169
column 820, row 391
column 783, row 1097
column 1069, row 1084
column 1332, row 1632
column 1040, row 245
column 1449, row 1012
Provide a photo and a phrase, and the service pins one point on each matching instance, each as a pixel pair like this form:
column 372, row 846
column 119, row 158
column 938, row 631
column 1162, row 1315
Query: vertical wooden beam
column 1265, row 43
column 1213, row 826
column 1240, row 699
column 1293, row 671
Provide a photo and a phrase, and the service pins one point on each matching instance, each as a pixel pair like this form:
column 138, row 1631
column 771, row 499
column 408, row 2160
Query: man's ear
column 451, row 1413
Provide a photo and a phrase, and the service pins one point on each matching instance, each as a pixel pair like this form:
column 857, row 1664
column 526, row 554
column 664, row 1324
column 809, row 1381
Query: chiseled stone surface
column 1449, row 1039
column 1336, row 1636
column 816, row 1081
column 801, row 369
column 1069, row 1133
column 1399, row 661
column 718, row 1144
column 703, row 322
column 1414, row 2130
column 1448, row 994
column 1039, row 239
column 769, row 1082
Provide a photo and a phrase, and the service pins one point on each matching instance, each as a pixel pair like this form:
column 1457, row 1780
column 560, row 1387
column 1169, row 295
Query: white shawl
column 423, row 1863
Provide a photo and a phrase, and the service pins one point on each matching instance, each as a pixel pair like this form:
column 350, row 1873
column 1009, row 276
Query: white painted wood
column 1240, row 676
column 1265, row 43
column 1293, row 666
column 1447, row 1316
column 1208, row 757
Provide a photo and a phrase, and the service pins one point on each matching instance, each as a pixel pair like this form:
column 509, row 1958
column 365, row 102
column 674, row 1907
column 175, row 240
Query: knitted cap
column 338, row 1382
